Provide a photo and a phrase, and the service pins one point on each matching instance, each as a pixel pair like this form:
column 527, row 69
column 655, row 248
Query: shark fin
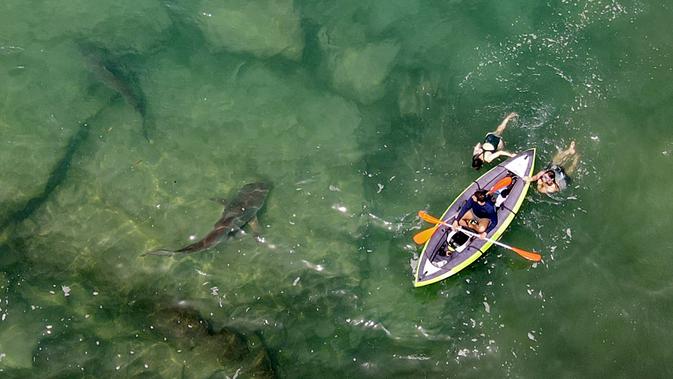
column 254, row 225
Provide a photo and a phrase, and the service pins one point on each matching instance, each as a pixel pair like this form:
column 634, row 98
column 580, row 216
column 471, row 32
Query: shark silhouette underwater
column 238, row 212
column 113, row 74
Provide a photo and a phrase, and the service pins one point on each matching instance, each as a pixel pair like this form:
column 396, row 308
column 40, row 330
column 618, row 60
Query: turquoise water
column 120, row 120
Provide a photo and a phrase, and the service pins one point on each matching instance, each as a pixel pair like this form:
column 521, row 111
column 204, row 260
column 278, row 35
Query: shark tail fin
column 161, row 253
column 146, row 132
column 220, row 200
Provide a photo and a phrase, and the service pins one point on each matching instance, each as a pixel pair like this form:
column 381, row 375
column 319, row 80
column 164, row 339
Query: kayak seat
column 457, row 240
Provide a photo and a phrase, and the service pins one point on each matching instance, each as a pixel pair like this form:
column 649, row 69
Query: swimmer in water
column 492, row 146
column 556, row 176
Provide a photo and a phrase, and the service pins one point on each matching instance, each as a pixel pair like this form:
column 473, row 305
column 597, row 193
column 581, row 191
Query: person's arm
column 488, row 157
column 464, row 209
column 534, row 177
column 476, row 150
column 494, row 221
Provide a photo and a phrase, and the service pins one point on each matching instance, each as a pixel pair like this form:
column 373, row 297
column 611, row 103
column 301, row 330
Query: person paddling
column 492, row 146
column 555, row 177
column 477, row 214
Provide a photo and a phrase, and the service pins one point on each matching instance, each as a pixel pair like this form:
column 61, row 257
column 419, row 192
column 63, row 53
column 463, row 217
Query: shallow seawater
column 120, row 121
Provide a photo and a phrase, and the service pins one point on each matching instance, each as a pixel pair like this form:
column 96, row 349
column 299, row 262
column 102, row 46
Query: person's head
column 477, row 162
column 548, row 177
column 480, row 196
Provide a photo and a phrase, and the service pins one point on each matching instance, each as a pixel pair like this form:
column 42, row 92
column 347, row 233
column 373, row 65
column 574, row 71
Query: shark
column 237, row 213
column 118, row 78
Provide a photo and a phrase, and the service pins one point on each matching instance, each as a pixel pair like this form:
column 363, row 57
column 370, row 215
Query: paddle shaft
column 422, row 237
column 526, row 254
column 469, row 233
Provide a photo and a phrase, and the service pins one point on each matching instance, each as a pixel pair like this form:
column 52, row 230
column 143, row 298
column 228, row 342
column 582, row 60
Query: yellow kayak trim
column 487, row 245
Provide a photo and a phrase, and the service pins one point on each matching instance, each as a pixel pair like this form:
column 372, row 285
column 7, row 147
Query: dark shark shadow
column 58, row 174
column 118, row 77
column 238, row 212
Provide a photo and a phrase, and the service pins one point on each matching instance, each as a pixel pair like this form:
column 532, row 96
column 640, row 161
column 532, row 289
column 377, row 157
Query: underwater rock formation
column 357, row 66
column 124, row 26
column 261, row 28
column 187, row 329
column 418, row 93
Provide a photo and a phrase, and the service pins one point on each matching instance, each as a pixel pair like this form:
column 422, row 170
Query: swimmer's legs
column 565, row 156
column 573, row 165
column 503, row 125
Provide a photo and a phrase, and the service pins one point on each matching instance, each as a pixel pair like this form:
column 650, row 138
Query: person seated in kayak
column 555, row 177
column 492, row 146
column 478, row 214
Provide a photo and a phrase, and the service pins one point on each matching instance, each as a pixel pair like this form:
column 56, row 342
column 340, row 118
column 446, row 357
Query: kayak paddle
column 502, row 183
column 535, row 257
column 423, row 236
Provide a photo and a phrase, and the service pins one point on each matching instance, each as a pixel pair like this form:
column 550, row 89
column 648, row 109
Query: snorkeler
column 492, row 146
column 555, row 177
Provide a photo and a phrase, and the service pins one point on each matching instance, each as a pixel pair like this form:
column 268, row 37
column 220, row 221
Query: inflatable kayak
column 447, row 252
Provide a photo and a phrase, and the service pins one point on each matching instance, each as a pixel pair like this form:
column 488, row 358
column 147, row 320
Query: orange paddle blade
column 431, row 219
column 502, row 183
column 423, row 236
column 535, row 257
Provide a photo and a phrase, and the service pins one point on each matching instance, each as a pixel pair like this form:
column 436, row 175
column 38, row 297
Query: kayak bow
column 433, row 265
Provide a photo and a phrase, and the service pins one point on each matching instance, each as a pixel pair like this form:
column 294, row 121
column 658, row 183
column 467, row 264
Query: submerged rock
column 124, row 26
column 418, row 93
column 261, row 28
column 361, row 72
column 355, row 59
column 19, row 336
column 184, row 327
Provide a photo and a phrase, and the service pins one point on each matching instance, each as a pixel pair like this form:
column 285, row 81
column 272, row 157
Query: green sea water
column 120, row 120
